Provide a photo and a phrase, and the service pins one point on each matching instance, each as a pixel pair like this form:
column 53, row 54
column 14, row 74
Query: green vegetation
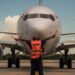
column 57, row 57
column 54, row 57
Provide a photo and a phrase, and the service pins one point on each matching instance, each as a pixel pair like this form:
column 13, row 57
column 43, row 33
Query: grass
column 55, row 57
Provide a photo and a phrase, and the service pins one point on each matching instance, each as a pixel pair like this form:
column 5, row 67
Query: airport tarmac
column 50, row 68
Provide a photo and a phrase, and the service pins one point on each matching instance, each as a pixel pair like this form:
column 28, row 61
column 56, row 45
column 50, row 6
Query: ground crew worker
column 36, row 46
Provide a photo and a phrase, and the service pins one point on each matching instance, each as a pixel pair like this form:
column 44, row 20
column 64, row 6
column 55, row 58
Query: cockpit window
column 25, row 17
column 45, row 16
column 52, row 17
column 33, row 16
column 29, row 16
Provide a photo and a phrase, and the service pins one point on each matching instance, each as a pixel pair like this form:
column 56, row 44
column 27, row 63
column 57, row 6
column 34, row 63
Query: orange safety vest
column 36, row 49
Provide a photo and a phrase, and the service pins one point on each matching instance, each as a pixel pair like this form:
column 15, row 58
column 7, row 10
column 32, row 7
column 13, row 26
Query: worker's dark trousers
column 36, row 65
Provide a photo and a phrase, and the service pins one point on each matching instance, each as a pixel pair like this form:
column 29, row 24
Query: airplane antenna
column 40, row 2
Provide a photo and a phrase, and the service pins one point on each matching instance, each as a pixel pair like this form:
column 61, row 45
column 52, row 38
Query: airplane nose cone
column 40, row 25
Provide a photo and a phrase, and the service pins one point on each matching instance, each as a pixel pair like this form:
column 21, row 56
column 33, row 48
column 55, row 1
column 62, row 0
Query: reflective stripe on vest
column 36, row 49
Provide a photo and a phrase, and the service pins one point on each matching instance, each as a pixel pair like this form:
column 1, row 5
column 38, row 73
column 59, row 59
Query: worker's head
column 36, row 37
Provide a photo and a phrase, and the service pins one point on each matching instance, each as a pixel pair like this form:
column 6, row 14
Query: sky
column 10, row 11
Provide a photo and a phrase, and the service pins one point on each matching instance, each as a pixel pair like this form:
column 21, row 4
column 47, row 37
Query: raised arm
column 50, row 37
column 17, row 39
column 53, row 36
column 21, row 40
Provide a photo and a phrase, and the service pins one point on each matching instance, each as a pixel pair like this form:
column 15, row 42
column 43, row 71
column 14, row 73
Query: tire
column 9, row 63
column 61, row 64
column 69, row 63
column 17, row 63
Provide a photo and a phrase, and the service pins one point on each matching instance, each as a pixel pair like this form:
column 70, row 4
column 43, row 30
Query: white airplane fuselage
column 42, row 21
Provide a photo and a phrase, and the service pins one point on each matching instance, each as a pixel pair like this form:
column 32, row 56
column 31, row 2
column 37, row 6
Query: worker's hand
column 16, row 39
column 54, row 35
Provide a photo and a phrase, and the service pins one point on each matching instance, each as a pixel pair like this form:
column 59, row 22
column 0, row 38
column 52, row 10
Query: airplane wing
column 62, row 47
column 11, row 45
column 67, row 34
column 63, row 34
column 16, row 46
column 9, row 33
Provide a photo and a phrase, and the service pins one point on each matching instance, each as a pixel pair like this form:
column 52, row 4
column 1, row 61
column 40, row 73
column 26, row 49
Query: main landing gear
column 66, row 60
column 13, row 60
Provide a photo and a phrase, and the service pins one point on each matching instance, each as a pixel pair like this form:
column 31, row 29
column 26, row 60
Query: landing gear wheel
column 69, row 63
column 9, row 63
column 17, row 63
column 61, row 63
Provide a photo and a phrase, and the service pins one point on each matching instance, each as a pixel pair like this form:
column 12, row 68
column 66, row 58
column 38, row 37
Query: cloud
column 10, row 25
column 11, row 20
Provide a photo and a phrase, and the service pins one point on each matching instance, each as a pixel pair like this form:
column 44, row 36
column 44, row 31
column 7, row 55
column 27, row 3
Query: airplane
column 42, row 21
